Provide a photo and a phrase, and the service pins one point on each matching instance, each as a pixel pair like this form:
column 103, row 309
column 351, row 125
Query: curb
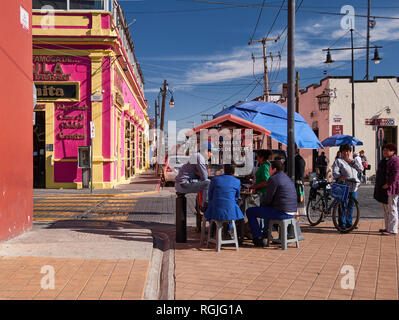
column 160, row 284
column 96, row 195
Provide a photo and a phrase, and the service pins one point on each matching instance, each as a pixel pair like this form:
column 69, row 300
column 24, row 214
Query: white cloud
column 311, row 38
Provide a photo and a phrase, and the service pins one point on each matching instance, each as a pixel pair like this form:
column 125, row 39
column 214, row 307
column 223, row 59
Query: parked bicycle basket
column 339, row 191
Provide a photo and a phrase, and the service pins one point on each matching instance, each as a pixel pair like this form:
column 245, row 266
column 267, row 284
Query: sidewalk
column 95, row 259
column 314, row 271
column 91, row 254
column 89, row 260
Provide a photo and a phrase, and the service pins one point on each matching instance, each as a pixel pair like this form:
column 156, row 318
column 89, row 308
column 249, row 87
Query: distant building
column 85, row 70
column 327, row 109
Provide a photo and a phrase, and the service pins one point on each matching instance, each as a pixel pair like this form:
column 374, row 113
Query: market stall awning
column 273, row 117
column 341, row 139
column 230, row 120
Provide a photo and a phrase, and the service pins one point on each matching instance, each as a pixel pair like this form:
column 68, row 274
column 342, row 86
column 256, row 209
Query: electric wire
column 215, row 105
column 304, row 11
column 257, row 22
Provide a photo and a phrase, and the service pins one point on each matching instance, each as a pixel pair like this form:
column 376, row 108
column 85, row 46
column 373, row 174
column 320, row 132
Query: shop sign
column 380, row 122
column 96, row 98
column 24, row 18
column 43, row 72
column 337, row 129
column 337, row 118
column 70, row 117
column 119, row 99
column 57, row 91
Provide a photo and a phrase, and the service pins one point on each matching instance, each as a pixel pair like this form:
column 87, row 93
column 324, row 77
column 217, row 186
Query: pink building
column 88, row 83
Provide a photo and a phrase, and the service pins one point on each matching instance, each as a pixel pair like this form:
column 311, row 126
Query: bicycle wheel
column 341, row 206
column 315, row 208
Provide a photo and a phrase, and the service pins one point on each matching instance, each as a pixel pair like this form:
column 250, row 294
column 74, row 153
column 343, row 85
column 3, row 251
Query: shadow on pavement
column 115, row 230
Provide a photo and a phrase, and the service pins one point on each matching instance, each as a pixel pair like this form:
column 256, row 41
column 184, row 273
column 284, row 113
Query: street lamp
column 328, row 59
column 376, row 60
column 163, row 91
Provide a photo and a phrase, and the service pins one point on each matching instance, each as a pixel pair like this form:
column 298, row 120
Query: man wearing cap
column 193, row 176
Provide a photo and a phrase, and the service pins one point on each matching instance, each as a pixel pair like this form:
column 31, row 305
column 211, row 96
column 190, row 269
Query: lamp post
column 163, row 92
column 329, row 61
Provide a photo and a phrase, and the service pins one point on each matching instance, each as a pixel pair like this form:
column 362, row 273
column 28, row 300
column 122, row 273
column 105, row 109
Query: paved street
column 101, row 247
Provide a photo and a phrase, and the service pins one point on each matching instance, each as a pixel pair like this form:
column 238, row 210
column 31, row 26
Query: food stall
column 234, row 139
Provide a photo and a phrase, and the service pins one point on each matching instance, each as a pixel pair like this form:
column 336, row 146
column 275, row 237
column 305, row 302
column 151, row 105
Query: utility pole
column 163, row 91
column 206, row 115
column 368, row 40
column 297, row 92
column 156, row 115
column 265, row 77
column 353, row 86
column 291, row 90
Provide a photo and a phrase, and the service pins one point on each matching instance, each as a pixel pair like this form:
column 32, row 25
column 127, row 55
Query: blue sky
column 201, row 48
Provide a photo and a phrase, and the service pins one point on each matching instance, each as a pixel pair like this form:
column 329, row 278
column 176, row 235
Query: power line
column 275, row 19
column 305, row 11
column 215, row 105
column 257, row 22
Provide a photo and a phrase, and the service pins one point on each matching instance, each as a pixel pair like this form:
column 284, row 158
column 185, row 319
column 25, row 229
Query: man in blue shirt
column 196, row 169
column 279, row 202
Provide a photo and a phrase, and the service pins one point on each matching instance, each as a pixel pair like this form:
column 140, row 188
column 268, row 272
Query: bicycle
column 322, row 204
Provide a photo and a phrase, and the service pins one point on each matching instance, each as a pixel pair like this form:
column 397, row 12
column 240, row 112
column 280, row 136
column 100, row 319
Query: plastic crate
column 339, row 191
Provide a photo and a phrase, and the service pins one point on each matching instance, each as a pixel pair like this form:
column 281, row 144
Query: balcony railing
column 105, row 5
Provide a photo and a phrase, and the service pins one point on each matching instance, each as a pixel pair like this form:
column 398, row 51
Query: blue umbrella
column 273, row 117
column 340, row 139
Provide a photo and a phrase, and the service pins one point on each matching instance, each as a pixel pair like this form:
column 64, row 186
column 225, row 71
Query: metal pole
column 368, row 40
column 163, row 104
column 297, row 92
column 353, row 88
column 291, row 90
column 91, row 165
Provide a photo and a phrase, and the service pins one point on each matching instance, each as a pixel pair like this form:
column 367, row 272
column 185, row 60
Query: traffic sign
column 92, row 130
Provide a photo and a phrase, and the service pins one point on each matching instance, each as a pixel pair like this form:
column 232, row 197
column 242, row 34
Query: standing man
column 322, row 163
column 193, row 175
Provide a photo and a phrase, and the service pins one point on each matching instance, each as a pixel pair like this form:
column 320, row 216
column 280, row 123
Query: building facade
column 327, row 109
column 89, row 84
column 16, row 89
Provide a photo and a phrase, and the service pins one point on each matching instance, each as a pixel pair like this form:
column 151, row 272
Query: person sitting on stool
column 224, row 192
column 279, row 202
column 195, row 168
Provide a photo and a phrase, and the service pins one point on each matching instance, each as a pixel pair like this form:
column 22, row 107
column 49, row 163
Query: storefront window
column 48, row 4
column 87, row 4
column 70, row 4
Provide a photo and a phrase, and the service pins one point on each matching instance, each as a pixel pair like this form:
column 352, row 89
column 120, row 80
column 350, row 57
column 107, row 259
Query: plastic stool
column 283, row 225
column 219, row 241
